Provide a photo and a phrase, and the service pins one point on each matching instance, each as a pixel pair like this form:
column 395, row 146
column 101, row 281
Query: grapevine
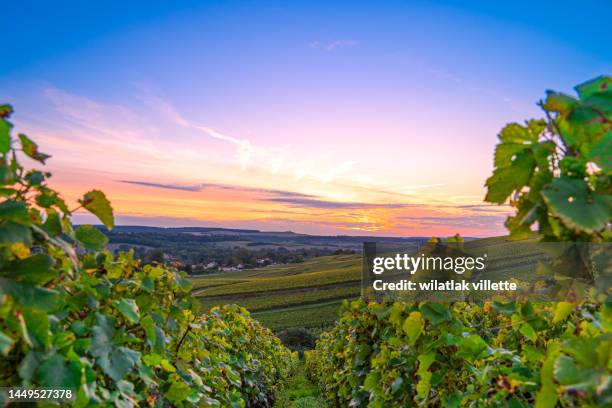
column 74, row 316
column 557, row 174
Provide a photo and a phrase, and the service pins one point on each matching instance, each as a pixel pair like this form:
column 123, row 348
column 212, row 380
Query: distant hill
column 173, row 230
column 242, row 237
column 202, row 250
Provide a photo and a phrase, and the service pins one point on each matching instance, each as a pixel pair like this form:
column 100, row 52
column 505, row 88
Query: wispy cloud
column 248, row 153
column 194, row 188
column 291, row 198
column 202, row 186
column 244, row 146
column 81, row 124
column 327, row 204
column 334, row 45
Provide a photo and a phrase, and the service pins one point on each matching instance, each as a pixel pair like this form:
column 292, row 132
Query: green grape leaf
column 178, row 391
column 128, row 308
column 562, row 310
column 30, row 295
column 512, row 177
column 37, row 323
column 28, row 365
column 63, row 339
column 601, row 104
column 527, row 331
column 413, row 327
column 5, row 343
column 579, row 209
column 119, row 362
column 453, row 401
column 91, row 238
column 520, row 224
column 371, row 381
column 15, row 211
column 37, row 268
column 559, row 102
column 424, row 384
column 396, row 385
column 102, row 335
column 147, row 284
column 516, row 138
column 31, row 149
column 599, row 84
column 601, row 153
column 167, row 366
column 505, row 152
column 583, row 350
column 547, row 396
column 96, row 202
column 147, row 375
column 53, row 223
column 524, row 135
column 114, row 361
column 152, row 360
column 426, row 360
column 184, row 284
column 5, row 110
column 57, row 372
column 149, row 327
column 506, row 308
column 35, row 177
column 532, row 353
column 67, row 227
column 435, row 312
column 11, row 233
column 471, row 347
column 565, row 371
column 5, row 136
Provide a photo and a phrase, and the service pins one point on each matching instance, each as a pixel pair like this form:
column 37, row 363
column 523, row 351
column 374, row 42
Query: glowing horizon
column 314, row 120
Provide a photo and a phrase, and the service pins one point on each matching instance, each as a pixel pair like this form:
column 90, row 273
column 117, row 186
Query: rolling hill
column 308, row 294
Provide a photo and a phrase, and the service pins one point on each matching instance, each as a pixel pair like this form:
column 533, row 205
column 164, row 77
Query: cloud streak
column 291, row 198
column 334, row 45
column 244, row 146
column 193, row 188
column 202, row 186
column 327, row 204
column 249, row 153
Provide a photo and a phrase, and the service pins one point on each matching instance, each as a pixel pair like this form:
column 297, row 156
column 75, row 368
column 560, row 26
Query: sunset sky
column 358, row 118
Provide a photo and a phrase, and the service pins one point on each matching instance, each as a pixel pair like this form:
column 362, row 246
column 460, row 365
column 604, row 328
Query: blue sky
column 348, row 102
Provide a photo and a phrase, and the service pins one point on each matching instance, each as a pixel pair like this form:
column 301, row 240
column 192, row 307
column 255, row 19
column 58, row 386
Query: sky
column 351, row 118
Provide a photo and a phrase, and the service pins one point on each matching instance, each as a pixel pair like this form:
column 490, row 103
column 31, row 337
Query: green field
column 309, row 317
column 308, row 294
column 284, row 296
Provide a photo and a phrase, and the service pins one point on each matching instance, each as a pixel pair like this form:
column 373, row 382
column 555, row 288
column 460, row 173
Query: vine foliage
column 556, row 172
column 117, row 333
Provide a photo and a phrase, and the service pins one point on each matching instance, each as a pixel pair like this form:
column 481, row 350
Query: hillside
column 308, row 294
column 286, row 296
